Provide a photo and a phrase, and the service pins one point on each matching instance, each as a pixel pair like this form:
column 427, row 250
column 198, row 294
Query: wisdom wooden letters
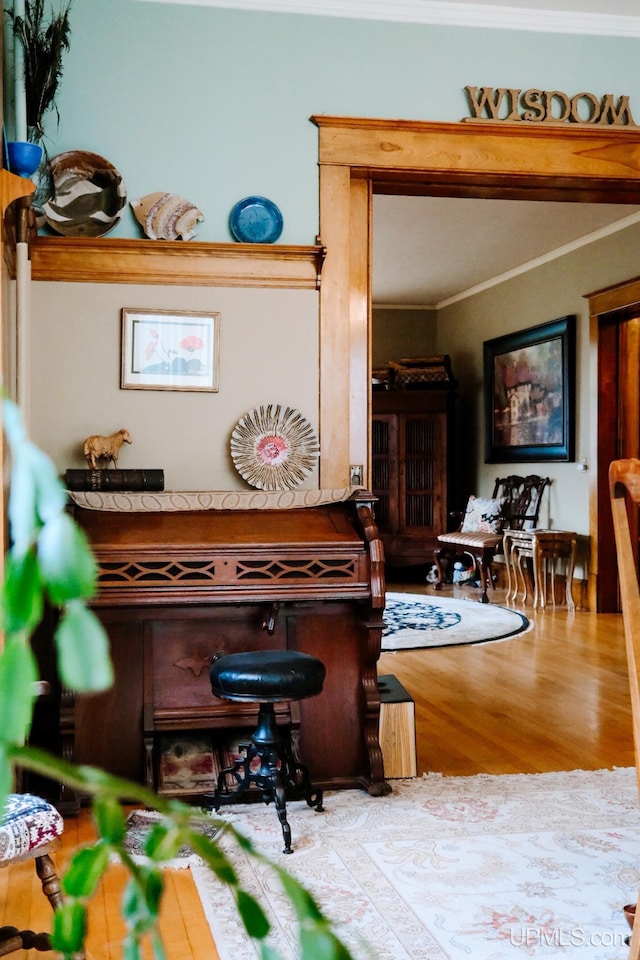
column 511, row 105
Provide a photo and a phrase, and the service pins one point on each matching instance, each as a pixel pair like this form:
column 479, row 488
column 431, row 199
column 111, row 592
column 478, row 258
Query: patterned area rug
column 414, row 621
column 446, row 868
column 138, row 824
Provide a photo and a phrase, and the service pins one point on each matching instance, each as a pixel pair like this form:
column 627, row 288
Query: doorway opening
column 360, row 157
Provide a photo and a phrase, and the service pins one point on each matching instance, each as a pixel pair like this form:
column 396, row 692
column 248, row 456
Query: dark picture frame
column 529, row 381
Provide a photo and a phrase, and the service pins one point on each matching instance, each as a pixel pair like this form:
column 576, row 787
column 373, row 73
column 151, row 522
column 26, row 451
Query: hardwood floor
column 555, row 698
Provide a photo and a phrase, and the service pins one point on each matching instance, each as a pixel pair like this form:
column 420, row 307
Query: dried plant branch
column 45, row 39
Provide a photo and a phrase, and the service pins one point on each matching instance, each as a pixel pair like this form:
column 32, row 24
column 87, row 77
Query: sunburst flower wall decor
column 273, row 447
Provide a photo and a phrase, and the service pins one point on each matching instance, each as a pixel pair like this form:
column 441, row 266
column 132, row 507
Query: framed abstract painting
column 529, row 380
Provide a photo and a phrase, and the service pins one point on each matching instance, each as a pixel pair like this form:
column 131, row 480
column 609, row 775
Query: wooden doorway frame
column 609, row 309
column 360, row 157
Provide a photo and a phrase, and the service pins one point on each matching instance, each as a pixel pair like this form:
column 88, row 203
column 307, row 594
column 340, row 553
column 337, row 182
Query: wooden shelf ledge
column 103, row 260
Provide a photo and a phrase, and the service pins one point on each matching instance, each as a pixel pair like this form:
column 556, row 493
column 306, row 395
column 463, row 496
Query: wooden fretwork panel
column 423, row 450
column 411, row 449
column 384, row 469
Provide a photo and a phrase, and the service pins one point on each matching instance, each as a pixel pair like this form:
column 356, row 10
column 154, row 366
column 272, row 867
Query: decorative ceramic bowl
column 23, row 157
column 89, row 195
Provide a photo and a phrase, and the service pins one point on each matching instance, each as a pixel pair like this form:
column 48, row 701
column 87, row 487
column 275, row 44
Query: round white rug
column 414, row 621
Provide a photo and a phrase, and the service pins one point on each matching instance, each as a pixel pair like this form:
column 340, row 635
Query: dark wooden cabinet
column 412, row 444
column 177, row 587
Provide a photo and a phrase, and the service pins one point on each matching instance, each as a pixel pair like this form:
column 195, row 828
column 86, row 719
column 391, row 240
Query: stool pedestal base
column 270, row 766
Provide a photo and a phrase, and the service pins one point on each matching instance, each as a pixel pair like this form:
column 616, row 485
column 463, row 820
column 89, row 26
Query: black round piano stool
column 267, row 677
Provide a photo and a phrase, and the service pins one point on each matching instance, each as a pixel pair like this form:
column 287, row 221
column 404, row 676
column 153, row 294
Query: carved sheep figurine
column 105, row 448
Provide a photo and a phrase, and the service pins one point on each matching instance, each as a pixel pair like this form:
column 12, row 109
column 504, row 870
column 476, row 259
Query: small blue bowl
column 23, row 157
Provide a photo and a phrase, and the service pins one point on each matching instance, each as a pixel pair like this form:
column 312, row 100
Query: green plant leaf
column 252, row 915
column 110, row 819
column 163, row 841
column 51, row 494
column 141, row 899
column 13, row 423
column 85, row 871
column 6, row 775
column 22, row 600
column 319, row 944
column 267, row 952
column 158, row 947
column 22, row 510
column 305, row 906
column 214, row 857
column 69, row 927
column 17, row 681
column 131, row 949
column 67, row 565
column 36, row 495
column 83, row 650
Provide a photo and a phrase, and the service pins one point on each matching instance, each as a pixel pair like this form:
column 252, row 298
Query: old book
column 397, row 729
column 114, row 479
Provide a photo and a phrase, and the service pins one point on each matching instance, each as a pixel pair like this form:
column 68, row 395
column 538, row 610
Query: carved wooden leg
column 526, row 573
column 46, row 870
column 439, row 559
column 483, row 569
column 571, row 562
column 10, row 940
column 509, row 550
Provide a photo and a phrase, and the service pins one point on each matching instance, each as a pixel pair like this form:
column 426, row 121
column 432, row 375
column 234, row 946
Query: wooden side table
column 544, row 548
column 549, row 546
column 517, row 546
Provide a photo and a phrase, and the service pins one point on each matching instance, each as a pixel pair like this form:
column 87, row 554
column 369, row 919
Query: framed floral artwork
column 170, row 350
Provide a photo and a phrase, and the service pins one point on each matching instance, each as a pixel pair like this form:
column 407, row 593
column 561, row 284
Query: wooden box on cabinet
column 411, row 468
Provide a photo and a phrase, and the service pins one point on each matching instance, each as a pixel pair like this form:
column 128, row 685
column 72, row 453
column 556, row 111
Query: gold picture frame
column 170, row 350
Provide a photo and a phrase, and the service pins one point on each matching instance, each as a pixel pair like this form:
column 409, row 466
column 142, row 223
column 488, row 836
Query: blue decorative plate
column 256, row 220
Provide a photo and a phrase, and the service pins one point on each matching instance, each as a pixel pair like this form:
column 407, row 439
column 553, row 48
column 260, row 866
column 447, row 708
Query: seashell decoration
column 165, row 216
column 273, row 447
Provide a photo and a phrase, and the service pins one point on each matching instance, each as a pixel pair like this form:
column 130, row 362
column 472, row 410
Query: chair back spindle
column 624, row 491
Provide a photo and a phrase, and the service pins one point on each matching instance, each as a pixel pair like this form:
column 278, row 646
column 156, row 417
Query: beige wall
column 398, row 332
column 550, row 291
column 268, row 354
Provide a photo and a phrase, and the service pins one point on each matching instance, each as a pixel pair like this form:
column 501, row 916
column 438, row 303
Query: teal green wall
column 215, row 104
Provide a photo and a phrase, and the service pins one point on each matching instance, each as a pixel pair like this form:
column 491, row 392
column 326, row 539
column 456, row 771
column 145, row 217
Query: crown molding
column 442, row 12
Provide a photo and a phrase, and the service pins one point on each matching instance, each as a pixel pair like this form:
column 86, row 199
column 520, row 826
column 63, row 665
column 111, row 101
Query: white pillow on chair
column 483, row 515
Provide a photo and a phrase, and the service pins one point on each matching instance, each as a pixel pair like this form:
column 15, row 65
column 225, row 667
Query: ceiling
column 430, row 250
column 618, row 17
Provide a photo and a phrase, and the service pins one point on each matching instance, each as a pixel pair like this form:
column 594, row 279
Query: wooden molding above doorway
column 359, row 157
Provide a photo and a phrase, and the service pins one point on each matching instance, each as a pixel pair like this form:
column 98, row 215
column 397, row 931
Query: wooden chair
column 514, row 504
column 624, row 490
column 30, row 829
